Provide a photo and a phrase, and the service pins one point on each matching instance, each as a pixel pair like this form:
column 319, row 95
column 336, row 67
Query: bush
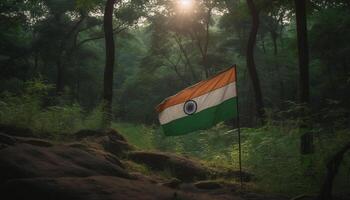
column 57, row 122
column 271, row 153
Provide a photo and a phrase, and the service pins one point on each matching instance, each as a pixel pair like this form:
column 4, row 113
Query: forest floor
column 103, row 165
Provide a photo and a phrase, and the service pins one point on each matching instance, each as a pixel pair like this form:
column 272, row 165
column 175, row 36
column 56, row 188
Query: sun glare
column 185, row 4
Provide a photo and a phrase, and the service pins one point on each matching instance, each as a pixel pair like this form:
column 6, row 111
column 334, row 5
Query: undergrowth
column 31, row 109
column 271, row 153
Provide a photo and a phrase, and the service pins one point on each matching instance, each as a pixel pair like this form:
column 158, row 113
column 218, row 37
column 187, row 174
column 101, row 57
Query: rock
column 9, row 140
column 97, row 151
column 6, row 139
column 93, row 188
column 208, row 185
column 114, row 146
column 87, row 133
column 16, row 131
column 3, row 146
column 107, row 156
column 255, row 196
column 34, row 141
column 113, row 159
column 78, row 145
column 182, row 168
column 172, row 183
column 151, row 179
column 28, row 161
column 100, row 133
column 307, row 197
column 109, row 140
column 115, row 135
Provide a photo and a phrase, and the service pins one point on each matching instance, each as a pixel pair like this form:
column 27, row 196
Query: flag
column 200, row 106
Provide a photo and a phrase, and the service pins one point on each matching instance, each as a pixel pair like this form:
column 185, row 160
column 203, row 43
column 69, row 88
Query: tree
column 61, row 52
column 303, row 51
column 272, row 18
column 109, row 66
column 303, row 57
column 250, row 59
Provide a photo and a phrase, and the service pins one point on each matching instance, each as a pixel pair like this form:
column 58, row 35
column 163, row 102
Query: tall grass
column 271, row 153
column 27, row 109
column 139, row 135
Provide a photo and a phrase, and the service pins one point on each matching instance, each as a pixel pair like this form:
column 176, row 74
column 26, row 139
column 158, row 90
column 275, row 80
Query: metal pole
column 239, row 132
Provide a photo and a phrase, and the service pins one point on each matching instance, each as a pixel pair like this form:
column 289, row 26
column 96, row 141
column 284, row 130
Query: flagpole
column 239, row 132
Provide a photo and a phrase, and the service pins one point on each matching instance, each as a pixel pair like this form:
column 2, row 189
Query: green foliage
column 161, row 50
column 145, row 170
column 87, row 4
column 270, row 153
column 57, row 122
column 129, row 12
column 137, row 134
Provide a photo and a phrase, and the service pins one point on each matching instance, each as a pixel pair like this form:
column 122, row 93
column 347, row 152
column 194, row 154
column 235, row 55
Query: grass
column 145, row 170
column 137, row 134
column 271, row 153
column 55, row 122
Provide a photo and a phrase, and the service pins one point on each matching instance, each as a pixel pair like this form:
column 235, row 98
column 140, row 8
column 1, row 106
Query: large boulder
column 117, row 147
column 95, row 188
column 16, row 131
column 172, row 183
column 182, row 168
column 34, row 141
column 109, row 140
column 12, row 140
column 98, row 133
column 208, row 185
column 6, row 139
column 28, row 161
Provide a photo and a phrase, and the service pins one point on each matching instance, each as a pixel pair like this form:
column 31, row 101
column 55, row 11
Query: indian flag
column 200, row 106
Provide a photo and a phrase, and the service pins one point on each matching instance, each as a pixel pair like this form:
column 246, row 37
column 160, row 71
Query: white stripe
column 205, row 101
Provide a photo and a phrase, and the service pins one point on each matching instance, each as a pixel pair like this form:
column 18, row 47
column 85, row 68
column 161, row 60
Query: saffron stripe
column 199, row 89
column 205, row 101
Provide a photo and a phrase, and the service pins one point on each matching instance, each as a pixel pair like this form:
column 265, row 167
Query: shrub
column 57, row 122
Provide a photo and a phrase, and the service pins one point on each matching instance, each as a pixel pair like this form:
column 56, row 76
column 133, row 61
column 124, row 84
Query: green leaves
column 129, row 12
column 60, row 6
column 87, row 5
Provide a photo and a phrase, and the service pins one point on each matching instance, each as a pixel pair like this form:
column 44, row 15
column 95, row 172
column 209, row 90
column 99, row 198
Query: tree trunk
column 274, row 37
column 303, row 51
column 250, row 59
column 274, row 41
column 60, row 72
column 263, row 43
column 303, row 57
column 332, row 171
column 345, row 67
column 60, row 63
column 206, row 44
column 36, row 63
column 109, row 66
column 187, row 59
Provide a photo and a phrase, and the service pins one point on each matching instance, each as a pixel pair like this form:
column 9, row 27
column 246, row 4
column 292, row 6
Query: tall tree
column 62, row 53
column 303, row 50
column 109, row 66
column 303, row 55
column 250, row 59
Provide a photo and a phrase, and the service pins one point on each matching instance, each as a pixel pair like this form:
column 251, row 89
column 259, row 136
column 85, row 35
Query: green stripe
column 202, row 120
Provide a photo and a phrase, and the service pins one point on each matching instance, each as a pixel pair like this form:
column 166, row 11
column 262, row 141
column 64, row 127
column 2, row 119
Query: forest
column 80, row 81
